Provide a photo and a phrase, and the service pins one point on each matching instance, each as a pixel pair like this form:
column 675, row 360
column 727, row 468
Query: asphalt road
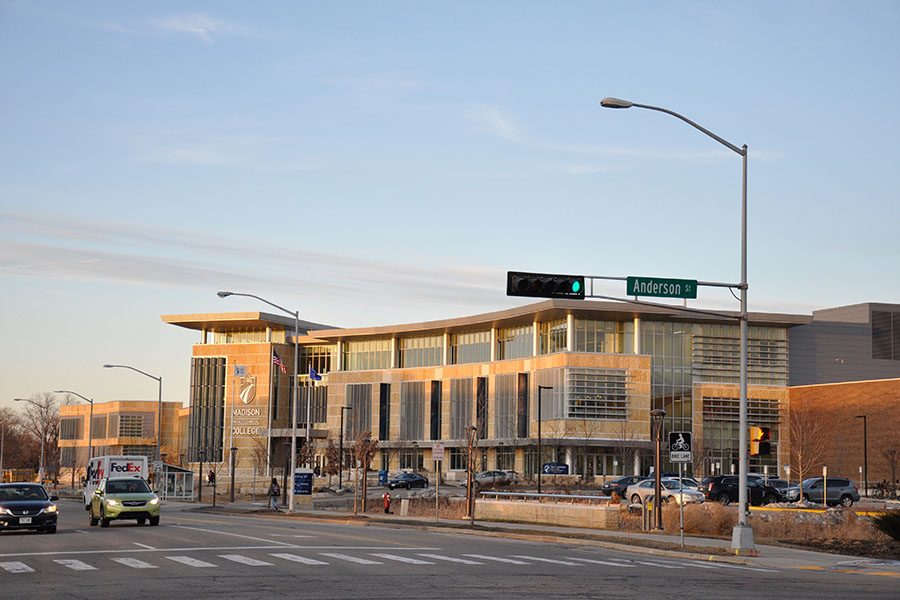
column 195, row 555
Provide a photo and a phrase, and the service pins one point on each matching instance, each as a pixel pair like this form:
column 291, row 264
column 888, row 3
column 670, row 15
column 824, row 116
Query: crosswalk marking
column 600, row 562
column 299, row 559
column 189, row 561
column 658, row 564
column 497, row 559
column 568, row 563
column 245, row 560
column 353, row 559
column 451, row 559
column 404, row 559
column 134, row 563
column 75, row 565
column 16, row 567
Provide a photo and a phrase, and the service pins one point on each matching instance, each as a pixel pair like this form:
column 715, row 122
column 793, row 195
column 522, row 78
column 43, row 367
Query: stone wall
column 548, row 513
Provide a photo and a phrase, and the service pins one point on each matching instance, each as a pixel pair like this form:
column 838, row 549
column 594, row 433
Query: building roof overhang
column 238, row 321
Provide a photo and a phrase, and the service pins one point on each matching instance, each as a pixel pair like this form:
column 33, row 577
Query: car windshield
column 810, row 481
column 778, row 483
column 127, row 486
column 22, row 492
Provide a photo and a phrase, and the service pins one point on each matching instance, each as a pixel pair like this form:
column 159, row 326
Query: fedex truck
column 101, row 467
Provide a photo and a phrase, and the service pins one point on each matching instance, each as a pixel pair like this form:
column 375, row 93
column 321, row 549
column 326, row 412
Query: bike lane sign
column 680, row 447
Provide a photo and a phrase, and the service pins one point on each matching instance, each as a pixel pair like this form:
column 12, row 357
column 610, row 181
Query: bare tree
column 809, row 437
column 586, row 430
column 40, row 418
column 624, row 444
column 332, row 460
column 364, row 449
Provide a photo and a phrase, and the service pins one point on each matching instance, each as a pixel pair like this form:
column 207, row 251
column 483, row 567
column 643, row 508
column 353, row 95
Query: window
column 359, row 399
column 514, row 342
column 206, row 428
column 481, row 407
column 460, row 407
column 247, row 336
column 131, row 425
column 67, row 456
column 598, row 394
column 384, row 411
column 367, row 355
column 553, row 336
column 603, row 336
column 70, row 428
column 506, row 459
column 412, row 459
column 505, row 406
column 457, row 459
column 318, row 394
column 716, row 353
column 436, row 390
column 421, row 351
column 552, row 400
column 320, row 358
column 412, row 410
column 470, row 347
column 149, row 451
column 99, row 427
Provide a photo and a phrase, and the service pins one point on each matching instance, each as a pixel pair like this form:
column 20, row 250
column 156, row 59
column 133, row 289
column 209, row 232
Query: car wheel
column 635, row 499
column 154, row 521
column 93, row 520
column 807, row 498
column 846, row 501
column 51, row 529
column 141, row 521
column 104, row 522
column 724, row 498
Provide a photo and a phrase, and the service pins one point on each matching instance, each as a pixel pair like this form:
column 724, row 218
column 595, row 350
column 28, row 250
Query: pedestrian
column 274, row 492
column 386, row 500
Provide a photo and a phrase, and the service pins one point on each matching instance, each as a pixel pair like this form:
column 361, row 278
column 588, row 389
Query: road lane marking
column 657, row 564
column 145, row 546
column 600, row 562
column 210, row 548
column 134, row 563
column 403, row 559
column 290, row 535
column 694, row 564
column 354, row 559
column 240, row 535
column 191, row 562
column 81, row 531
column 299, row 559
column 451, row 559
column 747, row 568
column 75, row 565
column 568, row 563
column 16, row 567
column 497, row 559
column 245, row 560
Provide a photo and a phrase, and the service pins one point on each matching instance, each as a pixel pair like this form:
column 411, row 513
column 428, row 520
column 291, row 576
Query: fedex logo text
column 125, row 468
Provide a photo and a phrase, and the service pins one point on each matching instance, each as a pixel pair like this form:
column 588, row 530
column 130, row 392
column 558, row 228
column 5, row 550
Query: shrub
column 888, row 523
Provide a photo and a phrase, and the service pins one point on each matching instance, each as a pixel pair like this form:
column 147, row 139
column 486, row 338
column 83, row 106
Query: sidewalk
column 661, row 544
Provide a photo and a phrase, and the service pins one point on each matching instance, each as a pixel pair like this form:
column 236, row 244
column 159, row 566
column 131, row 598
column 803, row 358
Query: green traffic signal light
column 576, row 286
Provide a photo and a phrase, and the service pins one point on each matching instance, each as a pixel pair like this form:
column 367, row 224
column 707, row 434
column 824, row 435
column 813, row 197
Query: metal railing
column 541, row 497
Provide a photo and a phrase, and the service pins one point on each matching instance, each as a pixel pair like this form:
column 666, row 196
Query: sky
column 371, row 163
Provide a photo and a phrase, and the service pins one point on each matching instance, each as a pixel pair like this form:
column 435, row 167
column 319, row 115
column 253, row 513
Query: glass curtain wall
column 605, row 337
column 412, row 410
column 359, row 398
column 505, row 406
column 470, row 347
column 421, row 351
column 553, row 336
column 461, row 400
column 514, row 342
column 367, row 355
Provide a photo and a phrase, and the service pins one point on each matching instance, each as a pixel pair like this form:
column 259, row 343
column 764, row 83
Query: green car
column 124, row 499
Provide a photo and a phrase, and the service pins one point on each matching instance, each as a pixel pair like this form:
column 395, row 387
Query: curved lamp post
column 742, row 535
column 159, row 404
column 296, row 315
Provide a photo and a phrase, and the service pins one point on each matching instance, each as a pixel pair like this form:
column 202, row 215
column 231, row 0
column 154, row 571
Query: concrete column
column 340, row 356
column 446, row 360
column 570, row 459
column 637, row 335
column 203, row 336
column 493, row 344
column 268, row 334
column 570, row 333
column 395, row 354
column 535, row 338
column 637, row 463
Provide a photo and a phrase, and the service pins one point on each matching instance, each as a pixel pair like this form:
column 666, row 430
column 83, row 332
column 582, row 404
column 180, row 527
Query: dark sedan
column 619, row 485
column 408, row 481
column 724, row 489
column 27, row 506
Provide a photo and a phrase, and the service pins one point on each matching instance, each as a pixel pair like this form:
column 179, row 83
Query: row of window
column 113, row 425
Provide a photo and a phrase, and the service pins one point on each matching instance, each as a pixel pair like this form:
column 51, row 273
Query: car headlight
column 51, row 509
column 155, row 501
column 5, row 511
column 111, row 502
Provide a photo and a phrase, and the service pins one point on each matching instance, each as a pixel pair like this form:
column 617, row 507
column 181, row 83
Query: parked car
column 27, row 506
column 840, row 491
column 493, row 478
column 689, row 482
column 123, row 498
column 619, row 485
column 724, row 489
column 408, row 481
column 639, row 492
column 779, row 490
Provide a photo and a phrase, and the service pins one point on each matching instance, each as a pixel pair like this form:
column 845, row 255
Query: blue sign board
column 556, row 469
column 303, row 482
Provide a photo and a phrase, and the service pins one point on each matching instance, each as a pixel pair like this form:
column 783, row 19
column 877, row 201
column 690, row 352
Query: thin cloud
column 199, row 25
column 492, row 120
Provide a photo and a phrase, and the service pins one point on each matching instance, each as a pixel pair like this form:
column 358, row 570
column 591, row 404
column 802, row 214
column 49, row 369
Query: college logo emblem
column 247, row 389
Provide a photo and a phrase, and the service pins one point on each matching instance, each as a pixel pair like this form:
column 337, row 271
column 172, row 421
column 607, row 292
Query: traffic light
column 544, row 285
column 759, row 441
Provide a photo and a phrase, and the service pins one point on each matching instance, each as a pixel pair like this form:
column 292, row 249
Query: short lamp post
column 233, row 457
column 201, row 454
column 540, row 457
column 43, row 435
column 341, row 450
column 656, row 416
column 865, row 453
column 159, row 414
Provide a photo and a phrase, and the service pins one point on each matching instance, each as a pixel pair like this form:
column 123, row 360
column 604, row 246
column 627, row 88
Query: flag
column 313, row 375
column 277, row 360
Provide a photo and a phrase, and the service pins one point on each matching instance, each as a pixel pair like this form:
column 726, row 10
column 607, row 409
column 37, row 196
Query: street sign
column 303, row 482
column 556, row 469
column 437, row 453
column 680, row 447
column 661, row 288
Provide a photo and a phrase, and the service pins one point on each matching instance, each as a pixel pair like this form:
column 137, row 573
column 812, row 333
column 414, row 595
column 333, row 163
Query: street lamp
column 43, row 434
column 656, row 418
column 540, row 465
column 294, row 390
column 865, row 453
column 742, row 535
column 159, row 403
column 90, row 420
column 341, row 449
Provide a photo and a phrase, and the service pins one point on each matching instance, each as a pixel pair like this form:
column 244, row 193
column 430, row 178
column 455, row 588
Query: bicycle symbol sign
column 680, row 446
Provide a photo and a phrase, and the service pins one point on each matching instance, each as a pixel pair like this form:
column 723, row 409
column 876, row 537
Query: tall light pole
column 159, row 404
column 742, row 535
column 43, row 434
column 341, row 449
column 541, row 388
column 294, row 390
column 2, row 439
column 865, row 453
column 656, row 418
column 90, row 420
